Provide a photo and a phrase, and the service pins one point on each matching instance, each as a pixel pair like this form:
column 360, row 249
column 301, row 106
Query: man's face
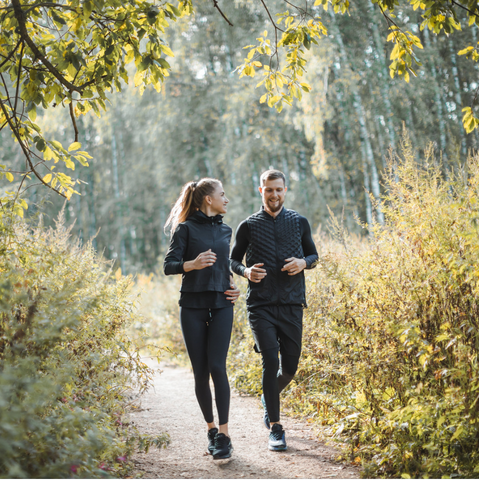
column 273, row 193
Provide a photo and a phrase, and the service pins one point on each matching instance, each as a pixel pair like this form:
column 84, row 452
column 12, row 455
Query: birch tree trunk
column 367, row 200
column 438, row 100
column 379, row 42
column 116, row 185
column 457, row 96
column 365, row 138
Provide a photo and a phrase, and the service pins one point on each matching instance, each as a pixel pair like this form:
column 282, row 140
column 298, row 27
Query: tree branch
column 50, row 4
column 19, row 76
column 464, row 8
column 302, row 10
column 6, row 90
column 19, row 15
column 72, row 115
column 271, row 18
column 10, row 55
column 25, row 150
column 215, row 3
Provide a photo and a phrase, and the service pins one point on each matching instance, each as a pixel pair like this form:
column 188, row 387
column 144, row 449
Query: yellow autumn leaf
column 74, row 146
column 167, row 50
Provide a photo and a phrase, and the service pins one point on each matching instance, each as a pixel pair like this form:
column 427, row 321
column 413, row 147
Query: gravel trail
column 171, row 407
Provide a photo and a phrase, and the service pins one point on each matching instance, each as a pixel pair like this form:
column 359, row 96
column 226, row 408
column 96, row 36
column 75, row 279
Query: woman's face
column 217, row 201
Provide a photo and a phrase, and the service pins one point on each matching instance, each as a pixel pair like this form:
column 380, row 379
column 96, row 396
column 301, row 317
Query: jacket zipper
column 214, row 251
column 278, row 263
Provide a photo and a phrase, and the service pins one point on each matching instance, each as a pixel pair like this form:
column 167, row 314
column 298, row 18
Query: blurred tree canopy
column 69, row 53
column 207, row 120
column 72, row 52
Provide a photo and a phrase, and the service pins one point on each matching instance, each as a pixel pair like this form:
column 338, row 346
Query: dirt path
column 172, row 407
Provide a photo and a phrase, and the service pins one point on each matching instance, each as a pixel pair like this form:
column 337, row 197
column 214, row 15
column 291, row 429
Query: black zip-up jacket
column 198, row 234
column 265, row 239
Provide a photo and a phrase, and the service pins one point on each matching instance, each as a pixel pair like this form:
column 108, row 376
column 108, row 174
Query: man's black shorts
column 274, row 326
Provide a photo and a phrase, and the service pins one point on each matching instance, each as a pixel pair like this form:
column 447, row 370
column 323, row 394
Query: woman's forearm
column 189, row 265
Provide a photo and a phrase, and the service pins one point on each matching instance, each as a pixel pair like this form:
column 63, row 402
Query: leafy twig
column 10, row 55
column 271, row 18
column 215, row 3
column 18, row 81
column 19, row 15
column 72, row 115
column 26, row 151
column 464, row 8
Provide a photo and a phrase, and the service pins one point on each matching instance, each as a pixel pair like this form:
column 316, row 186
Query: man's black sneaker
column 277, row 438
column 211, row 439
column 223, row 447
column 265, row 413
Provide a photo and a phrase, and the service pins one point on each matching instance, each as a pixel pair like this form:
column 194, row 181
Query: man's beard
column 277, row 207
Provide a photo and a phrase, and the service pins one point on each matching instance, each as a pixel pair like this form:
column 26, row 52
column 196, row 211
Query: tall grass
column 390, row 356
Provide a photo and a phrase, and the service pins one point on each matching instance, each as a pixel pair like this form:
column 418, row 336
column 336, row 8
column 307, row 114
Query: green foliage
column 391, row 345
column 70, row 54
column 303, row 27
column 142, row 156
column 68, row 370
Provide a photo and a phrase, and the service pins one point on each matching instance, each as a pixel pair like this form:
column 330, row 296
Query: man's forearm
column 311, row 261
column 237, row 267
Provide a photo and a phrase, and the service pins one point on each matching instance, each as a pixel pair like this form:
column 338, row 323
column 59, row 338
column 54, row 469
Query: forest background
column 391, row 349
column 206, row 121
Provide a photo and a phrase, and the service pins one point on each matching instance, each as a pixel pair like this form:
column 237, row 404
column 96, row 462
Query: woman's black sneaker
column 277, row 438
column 211, row 439
column 223, row 447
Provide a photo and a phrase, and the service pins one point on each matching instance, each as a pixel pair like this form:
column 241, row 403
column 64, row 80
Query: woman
column 199, row 250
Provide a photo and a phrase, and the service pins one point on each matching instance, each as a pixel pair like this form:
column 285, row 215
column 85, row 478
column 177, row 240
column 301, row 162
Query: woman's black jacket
column 198, row 234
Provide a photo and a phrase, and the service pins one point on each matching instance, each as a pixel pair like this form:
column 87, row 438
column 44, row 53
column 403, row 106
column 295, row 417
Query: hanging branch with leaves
column 68, row 54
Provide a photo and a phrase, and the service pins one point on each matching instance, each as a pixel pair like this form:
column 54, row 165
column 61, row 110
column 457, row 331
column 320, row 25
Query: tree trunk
column 378, row 40
column 367, row 200
column 438, row 100
column 367, row 150
column 457, row 97
column 116, row 184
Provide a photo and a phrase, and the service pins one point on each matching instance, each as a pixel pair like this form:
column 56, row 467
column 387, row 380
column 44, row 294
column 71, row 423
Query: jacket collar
column 200, row 217
column 265, row 214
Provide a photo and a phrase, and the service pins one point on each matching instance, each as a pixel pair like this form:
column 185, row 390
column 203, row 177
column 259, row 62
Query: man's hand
column 294, row 265
column 233, row 293
column 255, row 273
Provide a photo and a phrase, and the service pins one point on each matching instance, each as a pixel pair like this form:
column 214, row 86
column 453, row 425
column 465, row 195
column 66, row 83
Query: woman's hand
column 234, row 292
column 203, row 260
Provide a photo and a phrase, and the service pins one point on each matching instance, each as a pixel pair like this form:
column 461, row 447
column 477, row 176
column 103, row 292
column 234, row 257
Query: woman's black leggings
column 207, row 334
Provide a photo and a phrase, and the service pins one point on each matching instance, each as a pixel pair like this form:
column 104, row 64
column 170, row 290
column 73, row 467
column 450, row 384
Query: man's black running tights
column 207, row 334
column 277, row 373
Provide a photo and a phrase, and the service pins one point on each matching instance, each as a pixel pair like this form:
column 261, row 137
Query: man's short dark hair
column 271, row 174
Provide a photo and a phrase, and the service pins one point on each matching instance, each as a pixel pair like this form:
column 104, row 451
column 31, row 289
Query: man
column 278, row 247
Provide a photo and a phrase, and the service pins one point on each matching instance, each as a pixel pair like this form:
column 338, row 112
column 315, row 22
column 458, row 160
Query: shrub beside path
column 171, row 407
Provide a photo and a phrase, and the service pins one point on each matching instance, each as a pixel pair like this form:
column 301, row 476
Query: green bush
column 68, row 371
column 391, row 343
